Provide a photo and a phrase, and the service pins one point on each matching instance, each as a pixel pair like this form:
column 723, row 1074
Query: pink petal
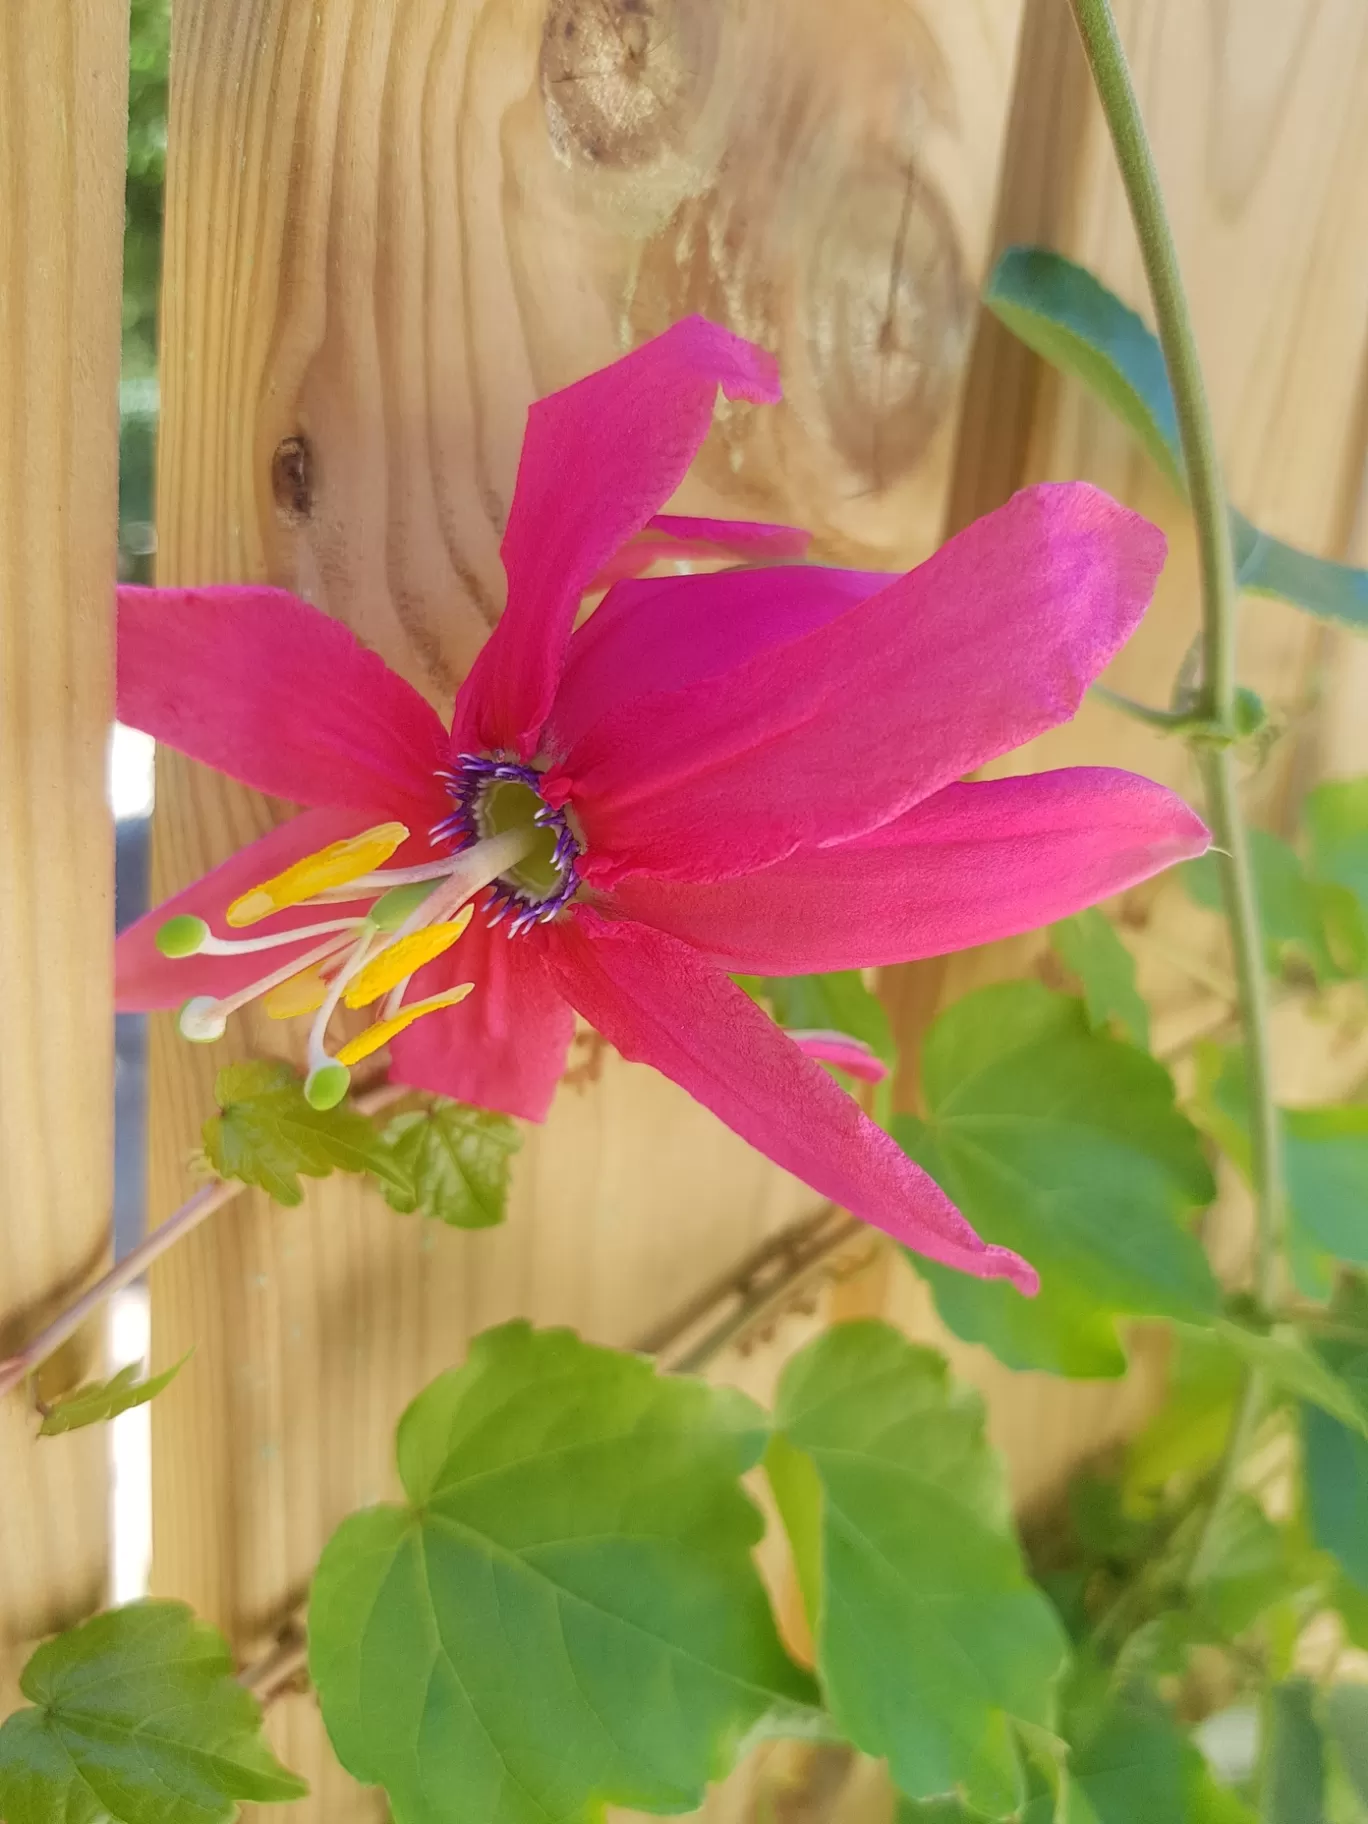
column 671, row 537
column 504, row 1046
column 598, row 461
column 659, row 1003
column 850, row 1055
column 809, row 744
column 274, row 693
column 974, row 863
column 144, row 978
column 673, row 631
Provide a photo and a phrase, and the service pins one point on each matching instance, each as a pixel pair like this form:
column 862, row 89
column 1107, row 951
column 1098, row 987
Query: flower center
column 493, row 795
column 501, row 835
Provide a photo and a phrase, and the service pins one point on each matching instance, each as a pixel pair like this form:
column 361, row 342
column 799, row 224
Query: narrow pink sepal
column 660, row 1003
column 272, row 692
column 675, row 538
column 850, row 1055
column 504, row 1046
column 812, row 743
column 599, row 460
column 976, row 862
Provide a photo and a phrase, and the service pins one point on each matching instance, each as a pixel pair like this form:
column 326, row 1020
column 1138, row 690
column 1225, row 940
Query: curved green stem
column 1111, row 74
column 1217, row 697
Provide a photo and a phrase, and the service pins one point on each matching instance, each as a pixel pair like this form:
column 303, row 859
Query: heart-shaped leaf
column 1088, row 946
column 456, row 1161
column 1064, row 1144
column 267, row 1134
column 566, row 1613
column 137, row 1719
column 930, row 1636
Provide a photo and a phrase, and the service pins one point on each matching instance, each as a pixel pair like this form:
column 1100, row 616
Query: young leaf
column 566, row 1614
column 1067, row 317
column 1088, row 945
column 930, row 1636
column 454, row 1161
column 1294, row 1756
column 137, row 1719
column 838, row 1002
column 268, row 1135
column 1071, row 320
column 99, row 1401
column 1064, row 1144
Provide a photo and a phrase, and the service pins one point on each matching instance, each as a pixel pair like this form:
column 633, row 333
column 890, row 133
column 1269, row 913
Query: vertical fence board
column 63, row 88
column 389, row 227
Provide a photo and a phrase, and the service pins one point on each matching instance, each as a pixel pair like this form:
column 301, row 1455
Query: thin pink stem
column 15, row 1369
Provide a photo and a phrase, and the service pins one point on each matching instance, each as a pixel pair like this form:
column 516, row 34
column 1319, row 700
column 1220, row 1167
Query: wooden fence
column 390, row 225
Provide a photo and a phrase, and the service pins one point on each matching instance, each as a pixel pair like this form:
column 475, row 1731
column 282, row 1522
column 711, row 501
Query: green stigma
column 182, row 935
column 325, row 1087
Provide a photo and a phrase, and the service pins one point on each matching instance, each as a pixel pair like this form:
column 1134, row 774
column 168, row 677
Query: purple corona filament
column 467, row 785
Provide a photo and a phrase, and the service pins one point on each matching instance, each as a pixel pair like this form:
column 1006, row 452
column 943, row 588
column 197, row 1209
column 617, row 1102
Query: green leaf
column 1088, row 945
column 1344, row 1716
column 1267, row 566
column 1063, row 1144
column 930, row 1636
column 454, row 1163
column 99, row 1401
column 567, row 1613
column 1070, row 319
column 1061, row 312
column 1189, row 1431
column 1300, row 915
column 1335, row 1469
column 137, row 1719
column 1286, row 1361
column 1336, row 819
column 837, row 1002
column 1294, row 1756
column 1325, row 1161
column 1248, row 1566
column 268, row 1135
column 1132, row 1765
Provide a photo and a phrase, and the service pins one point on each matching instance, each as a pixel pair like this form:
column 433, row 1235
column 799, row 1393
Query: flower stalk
column 1218, row 691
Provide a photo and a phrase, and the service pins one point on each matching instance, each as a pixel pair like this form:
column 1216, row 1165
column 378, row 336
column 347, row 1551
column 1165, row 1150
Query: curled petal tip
column 1002, row 1263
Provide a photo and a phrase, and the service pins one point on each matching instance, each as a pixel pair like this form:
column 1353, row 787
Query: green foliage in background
column 149, row 51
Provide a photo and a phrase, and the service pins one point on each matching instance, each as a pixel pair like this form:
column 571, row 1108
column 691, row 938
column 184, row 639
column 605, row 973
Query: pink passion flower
column 757, row 770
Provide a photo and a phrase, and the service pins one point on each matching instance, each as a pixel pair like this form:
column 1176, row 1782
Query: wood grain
column 390, row 225
column 63, row 76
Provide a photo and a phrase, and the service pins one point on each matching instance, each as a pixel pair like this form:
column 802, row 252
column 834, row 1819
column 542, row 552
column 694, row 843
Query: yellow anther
column 334, row 866
column 303, row 993
column 398, row 961
column 385, row 1030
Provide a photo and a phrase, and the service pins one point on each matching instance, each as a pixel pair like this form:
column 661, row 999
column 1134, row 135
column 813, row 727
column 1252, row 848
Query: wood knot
column 622, row 80
column 889, row 311
column 292, row 479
